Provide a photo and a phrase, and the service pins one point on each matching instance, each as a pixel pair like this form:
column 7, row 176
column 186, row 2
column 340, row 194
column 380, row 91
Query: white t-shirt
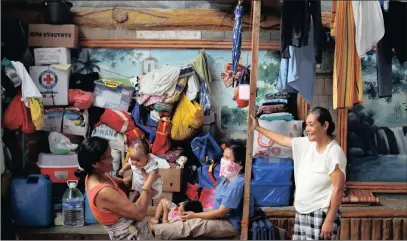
column 312, row 172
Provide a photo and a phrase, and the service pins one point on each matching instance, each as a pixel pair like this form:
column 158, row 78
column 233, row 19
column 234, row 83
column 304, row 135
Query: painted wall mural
column 126, row 63
column 377, row 140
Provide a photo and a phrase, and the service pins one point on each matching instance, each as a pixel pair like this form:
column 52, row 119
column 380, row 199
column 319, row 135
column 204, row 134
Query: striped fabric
column 360, row 196
column 347, row 74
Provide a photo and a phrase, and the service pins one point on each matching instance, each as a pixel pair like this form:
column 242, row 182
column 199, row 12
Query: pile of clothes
column 275, row 107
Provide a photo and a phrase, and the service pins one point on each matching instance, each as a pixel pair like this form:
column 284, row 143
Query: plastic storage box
column 31, row 201
column 60, row 168
column 113, row 94
column 271, row 194
column 272, row 170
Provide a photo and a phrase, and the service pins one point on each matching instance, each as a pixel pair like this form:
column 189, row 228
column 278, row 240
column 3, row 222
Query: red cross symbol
column 48, row 79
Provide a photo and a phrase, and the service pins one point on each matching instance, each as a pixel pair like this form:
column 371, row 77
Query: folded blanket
column 360, row 196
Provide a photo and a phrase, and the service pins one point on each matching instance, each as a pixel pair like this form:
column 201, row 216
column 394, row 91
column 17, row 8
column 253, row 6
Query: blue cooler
column 89, row 218
column 31, row 201
column 272, row 170
column 271, row 194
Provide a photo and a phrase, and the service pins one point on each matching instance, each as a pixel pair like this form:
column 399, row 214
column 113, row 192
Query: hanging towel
column 347, row 74
column 201, row 67
column 369, row 24
column 28, row 88
column 37, row 112
column 297, row 74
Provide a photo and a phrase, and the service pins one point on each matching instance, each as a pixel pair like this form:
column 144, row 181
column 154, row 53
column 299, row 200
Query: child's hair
column 193, row 206
column 143, row 144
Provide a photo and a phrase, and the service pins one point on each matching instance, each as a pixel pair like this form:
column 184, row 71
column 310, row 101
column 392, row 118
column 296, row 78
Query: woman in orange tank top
column 107, row 198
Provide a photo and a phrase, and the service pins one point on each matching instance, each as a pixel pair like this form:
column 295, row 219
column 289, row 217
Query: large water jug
column 31, row 201
column 72, row 206
column 89, row 218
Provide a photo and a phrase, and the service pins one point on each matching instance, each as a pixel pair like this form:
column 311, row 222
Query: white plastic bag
column 60, row 144
column 265, row 147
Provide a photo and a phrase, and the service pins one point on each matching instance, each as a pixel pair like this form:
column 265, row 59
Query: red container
column 59, row 168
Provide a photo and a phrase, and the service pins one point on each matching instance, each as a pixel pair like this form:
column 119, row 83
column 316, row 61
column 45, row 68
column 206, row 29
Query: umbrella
column 237, row 38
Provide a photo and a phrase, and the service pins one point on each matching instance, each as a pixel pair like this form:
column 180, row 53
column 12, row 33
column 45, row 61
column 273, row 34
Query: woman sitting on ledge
column 224, row 220
column 107, row 198
column 319, row 171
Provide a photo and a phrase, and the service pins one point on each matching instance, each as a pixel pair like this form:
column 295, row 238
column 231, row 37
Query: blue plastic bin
column 31, row 201
column 271, row 194
column 272, row 170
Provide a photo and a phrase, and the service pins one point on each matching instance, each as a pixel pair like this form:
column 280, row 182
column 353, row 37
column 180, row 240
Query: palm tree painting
column 85, row 64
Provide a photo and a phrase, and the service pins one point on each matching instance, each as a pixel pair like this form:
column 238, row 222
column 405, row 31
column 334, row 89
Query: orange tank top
column 104, row 217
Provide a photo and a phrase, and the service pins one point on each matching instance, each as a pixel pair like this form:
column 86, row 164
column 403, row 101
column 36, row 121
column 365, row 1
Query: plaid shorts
column 308, row 226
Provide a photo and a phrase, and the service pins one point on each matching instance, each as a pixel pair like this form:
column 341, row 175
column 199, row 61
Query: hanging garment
column 395, row 37
column 17, row 116
column 237, row 38
column 37, row 112
column 347, row 73
column 192, row 87
column 162, row 142
column 201, row 67
column 227, row 75
column 369, row 24
column 297, row 74
column 295, row 25
column 28, row 88
column 159, row 82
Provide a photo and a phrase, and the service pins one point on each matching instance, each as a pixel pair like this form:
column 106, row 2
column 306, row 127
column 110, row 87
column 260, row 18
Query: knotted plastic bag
column 60, row 144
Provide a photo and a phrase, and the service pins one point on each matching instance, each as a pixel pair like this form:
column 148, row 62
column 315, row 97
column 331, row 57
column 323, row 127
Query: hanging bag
column 187, row 119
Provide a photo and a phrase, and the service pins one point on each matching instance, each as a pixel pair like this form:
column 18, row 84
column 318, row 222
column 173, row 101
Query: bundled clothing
column 227, row 74
column 80, row 99
column 274, row 103
column 295, row 24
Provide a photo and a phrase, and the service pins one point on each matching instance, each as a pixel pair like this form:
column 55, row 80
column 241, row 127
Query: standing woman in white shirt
column 319, row 172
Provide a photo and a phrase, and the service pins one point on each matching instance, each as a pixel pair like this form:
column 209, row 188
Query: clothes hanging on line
column 369, row 25
column 347, row 73
column 395, row 37
column 296, row 22
column 297, row 74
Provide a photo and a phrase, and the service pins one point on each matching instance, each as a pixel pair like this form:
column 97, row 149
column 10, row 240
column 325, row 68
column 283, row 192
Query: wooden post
column 252, row 105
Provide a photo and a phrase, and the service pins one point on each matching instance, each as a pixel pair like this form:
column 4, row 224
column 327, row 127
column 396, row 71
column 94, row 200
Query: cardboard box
column 48, row 56
column 53, row 83
column 172, row 178
column 167, row 195
column 53, row 121
column 47, row 35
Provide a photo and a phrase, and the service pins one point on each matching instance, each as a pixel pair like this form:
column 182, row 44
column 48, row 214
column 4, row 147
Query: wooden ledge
column 173, row 44
column 389, row 208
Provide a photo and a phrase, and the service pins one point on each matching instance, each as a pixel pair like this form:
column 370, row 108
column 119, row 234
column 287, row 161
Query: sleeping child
column 170, row 212
column 142, row 162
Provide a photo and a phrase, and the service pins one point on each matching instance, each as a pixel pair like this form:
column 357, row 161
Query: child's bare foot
column 165, row 221
column 154, row 220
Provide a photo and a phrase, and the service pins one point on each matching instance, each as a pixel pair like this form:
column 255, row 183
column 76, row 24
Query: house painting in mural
column 148, row 64
column 377, row 140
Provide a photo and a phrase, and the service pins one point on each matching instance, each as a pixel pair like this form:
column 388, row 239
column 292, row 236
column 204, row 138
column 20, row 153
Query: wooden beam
column 251, row 111
column 154, row 19
column 173, row 44
column 379, row 187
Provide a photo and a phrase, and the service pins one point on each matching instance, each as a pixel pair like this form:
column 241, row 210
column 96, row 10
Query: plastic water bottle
column 72, row 206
